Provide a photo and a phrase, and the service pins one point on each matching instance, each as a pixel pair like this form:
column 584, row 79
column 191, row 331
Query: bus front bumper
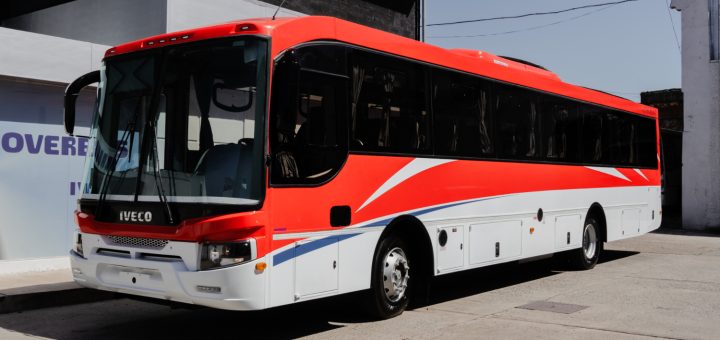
column 238, row 287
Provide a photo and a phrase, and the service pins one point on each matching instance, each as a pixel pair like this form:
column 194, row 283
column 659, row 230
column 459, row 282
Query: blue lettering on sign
column 75, row 188
column 14, row 142
column 51, row 145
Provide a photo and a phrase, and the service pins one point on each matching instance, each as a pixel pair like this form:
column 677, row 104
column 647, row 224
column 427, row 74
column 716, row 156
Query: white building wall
column 39, row 166
column 108, row 22
column 701, row 135
column 42, row 57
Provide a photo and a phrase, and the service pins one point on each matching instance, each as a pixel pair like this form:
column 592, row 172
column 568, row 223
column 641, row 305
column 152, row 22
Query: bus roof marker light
column 501, row 63
column 243, row 28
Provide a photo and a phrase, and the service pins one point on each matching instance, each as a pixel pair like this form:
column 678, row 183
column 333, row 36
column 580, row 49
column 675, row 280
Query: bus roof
column 288, row 32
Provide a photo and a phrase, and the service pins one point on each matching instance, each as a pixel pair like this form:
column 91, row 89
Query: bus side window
column 388, row 112
column 462, row 122
column 517, row 121
column 320, row 138
column 592, row 128
column 560, row 129
column 308, row 119
column 647, row 142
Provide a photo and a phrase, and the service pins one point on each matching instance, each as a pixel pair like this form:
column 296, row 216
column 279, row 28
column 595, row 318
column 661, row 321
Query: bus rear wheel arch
column 596, row 212
column 594, row 235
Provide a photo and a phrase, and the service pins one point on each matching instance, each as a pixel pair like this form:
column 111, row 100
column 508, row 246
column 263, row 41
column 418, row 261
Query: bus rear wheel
column 587, row 256
column 391, row 281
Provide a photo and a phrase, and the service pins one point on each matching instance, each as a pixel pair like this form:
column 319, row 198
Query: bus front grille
column 140, row 242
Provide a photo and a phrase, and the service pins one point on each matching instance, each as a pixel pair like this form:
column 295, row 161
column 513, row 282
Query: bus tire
column 586, row 257
column 391, row 282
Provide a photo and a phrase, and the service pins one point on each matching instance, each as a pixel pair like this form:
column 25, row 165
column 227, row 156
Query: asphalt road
column 657, row 285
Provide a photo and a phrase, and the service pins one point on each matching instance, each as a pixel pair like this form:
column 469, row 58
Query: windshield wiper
column 150, row 128
column 158, row 177
column 112, row 165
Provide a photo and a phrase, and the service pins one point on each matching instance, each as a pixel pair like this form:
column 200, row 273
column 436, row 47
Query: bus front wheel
column 391, row 280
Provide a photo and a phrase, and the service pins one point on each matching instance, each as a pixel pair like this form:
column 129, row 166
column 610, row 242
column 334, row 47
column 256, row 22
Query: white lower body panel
column 481, row 232
column 173, row 278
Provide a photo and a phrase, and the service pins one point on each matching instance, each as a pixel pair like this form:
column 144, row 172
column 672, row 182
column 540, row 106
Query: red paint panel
column 307, row 209
column 218, row 228
column 288, row 32
column 464, row 180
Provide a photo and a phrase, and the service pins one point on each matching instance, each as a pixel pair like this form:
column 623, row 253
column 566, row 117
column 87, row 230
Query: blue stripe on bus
column 289, row 254
column 387, row 221
column 305, row 248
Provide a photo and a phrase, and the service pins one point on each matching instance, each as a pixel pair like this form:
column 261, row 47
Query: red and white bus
column 265, row 162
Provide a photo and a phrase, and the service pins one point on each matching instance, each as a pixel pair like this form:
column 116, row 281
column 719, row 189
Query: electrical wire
column 520, row 30
column 672, row 23
column 530, row 14
column 623, row 93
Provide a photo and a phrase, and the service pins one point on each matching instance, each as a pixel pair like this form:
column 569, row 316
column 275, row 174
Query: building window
column 714, row 25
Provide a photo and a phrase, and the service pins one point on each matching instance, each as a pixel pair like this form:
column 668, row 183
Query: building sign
column 41, row 170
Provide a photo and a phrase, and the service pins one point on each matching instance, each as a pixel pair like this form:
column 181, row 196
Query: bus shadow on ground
column 478, row 281
column 304, row 319
column 614, row 255
column 685, row 232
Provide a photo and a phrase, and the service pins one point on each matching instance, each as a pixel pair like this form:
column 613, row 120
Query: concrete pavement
column 33, row 290
column 655, row 286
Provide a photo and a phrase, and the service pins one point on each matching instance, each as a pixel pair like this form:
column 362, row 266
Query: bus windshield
column 181, row 123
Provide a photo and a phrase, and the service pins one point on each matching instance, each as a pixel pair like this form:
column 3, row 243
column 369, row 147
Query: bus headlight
column 218, row 255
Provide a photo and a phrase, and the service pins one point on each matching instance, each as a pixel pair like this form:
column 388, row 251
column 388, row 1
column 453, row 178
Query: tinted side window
column 619, row 133
column 326, row 58
column 593, row 141
column 606, row 139
column 616, row 138
column 560, row 129
column 517, row 123
column 308, row 119
column 647, row 142
column 388, row 111
column 461, row 117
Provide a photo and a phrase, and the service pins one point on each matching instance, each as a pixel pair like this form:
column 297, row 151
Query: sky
column 623, row 49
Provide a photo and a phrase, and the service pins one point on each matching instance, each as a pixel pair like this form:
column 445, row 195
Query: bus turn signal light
column 532, row 230
column 260, row 266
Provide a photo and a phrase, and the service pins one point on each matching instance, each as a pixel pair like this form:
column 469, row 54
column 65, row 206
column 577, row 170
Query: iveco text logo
column 135, row 216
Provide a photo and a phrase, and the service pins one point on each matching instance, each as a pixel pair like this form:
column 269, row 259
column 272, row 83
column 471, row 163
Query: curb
column 52, row 295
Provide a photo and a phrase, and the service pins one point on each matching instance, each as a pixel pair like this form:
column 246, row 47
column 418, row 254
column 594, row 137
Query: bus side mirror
column 71, row 94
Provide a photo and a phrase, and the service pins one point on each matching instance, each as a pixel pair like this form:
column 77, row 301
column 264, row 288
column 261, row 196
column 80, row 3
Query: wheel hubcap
column 395, row 274
column 589, row 241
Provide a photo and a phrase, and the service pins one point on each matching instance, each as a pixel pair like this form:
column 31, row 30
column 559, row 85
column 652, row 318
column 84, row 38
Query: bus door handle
column 340, row 216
